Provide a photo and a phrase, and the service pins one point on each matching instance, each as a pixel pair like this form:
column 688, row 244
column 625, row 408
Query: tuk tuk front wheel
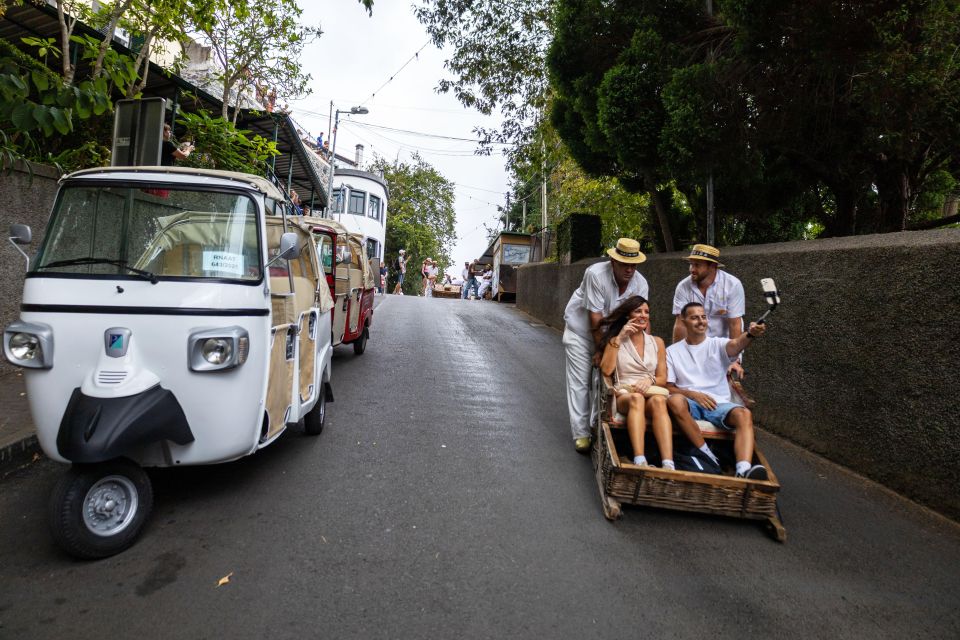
column 313, row 421
column 97, row 511
column 360, row 344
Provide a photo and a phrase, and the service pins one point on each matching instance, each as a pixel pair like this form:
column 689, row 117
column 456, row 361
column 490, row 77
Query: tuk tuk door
column 357, row 284
column 330, row 256
column 288, row 308
column 344, row 290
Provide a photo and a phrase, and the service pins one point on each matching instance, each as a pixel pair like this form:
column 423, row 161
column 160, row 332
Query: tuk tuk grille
column 111, row 377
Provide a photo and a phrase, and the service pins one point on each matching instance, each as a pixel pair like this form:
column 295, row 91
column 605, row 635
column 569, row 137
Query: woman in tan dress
column 639, row 363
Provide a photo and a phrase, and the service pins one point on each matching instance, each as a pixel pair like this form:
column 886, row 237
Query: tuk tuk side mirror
column 289, row 248
column 21, row 234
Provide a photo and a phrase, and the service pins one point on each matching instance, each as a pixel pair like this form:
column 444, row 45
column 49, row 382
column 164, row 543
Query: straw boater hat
column 627, row 251
column 705, row 252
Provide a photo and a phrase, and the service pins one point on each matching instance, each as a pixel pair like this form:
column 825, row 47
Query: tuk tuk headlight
column 218, row 349
column 24, row 346
column 29, row 344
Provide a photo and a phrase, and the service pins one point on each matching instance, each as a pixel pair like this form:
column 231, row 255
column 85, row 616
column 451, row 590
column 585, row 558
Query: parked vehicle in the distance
column 350, row 279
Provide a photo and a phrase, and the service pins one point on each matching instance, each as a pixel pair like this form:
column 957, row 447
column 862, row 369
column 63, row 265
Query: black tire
column 360, row 344
column 314, row 420
column 81, row 521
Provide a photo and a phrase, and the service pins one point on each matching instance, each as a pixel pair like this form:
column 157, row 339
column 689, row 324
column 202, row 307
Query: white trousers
column 579, row 352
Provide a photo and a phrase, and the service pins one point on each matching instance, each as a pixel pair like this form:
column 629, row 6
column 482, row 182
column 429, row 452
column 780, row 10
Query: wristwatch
column 615, row 342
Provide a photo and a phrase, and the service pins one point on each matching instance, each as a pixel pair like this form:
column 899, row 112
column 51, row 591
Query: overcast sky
column 355, row 59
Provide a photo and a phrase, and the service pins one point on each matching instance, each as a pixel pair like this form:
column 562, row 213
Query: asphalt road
column 444, row 499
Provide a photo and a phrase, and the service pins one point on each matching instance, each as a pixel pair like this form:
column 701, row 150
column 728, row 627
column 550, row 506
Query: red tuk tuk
column 350, row 279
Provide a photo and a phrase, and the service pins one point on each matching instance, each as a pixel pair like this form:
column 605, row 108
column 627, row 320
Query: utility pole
column 333, row 156
column 506, row 226
column 543, row 184
column 711, row 236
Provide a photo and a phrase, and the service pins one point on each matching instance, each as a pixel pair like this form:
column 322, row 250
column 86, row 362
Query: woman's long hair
column 614, row 323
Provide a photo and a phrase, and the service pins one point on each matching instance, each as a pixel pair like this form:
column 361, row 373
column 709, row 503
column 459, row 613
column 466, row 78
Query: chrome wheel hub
column 110, row 505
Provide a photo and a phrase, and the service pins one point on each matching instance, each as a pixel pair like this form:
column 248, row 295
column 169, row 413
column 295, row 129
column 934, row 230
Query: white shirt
column 724, row 299
column 700, row 367
column 465, row 273
column 599, row 293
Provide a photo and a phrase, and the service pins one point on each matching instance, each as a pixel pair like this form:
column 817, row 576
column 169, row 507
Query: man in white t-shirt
column 605, row 285
column 720, row 293
column 697, row 380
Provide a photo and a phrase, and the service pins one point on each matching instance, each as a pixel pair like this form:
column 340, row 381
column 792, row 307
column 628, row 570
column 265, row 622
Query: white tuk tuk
column 171, row 317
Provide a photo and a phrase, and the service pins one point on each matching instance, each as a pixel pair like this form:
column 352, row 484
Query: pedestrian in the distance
column 469, row 281
column 400, row 266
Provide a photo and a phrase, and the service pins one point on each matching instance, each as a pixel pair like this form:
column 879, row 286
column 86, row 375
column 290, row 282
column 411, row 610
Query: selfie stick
column 772, row 296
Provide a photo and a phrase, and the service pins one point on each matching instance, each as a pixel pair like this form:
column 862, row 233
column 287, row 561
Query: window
column 337, row 201
column 373, row 208
column 516, row 253
column 113, row 231
column 373, row 249
column 356, row 202
column 325, row 249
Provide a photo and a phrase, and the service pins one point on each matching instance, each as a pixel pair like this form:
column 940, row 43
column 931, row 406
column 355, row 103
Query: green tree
column 497, row 60
column 220, row 145
column 259, row 42
column 572, row 190
column 421, row 217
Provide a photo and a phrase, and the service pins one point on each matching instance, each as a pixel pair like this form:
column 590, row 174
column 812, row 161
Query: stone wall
column 25, row 198
column 861, row 362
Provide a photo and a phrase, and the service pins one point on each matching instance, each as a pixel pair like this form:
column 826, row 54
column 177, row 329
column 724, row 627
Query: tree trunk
column 118, row 11
column 844, row 220
column 224, row 112
column 893, row 186
column 65, row 33
column 661, row 207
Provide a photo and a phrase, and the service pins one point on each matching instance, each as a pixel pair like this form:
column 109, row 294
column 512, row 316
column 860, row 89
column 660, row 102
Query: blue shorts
column 400, row 278
column 716, row 416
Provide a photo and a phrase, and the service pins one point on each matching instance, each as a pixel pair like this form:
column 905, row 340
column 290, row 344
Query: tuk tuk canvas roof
column 259, row 183
column 355, row 240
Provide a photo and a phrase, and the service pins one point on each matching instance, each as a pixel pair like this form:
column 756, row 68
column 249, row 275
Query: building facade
column 359, row 202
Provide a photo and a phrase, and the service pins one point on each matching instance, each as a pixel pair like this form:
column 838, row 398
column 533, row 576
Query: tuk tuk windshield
column 152, row 233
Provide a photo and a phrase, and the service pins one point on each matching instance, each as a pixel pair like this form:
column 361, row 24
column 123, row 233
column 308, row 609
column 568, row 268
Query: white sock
column 706, row 449
column 640, row 460
column 742, row 467
column 668, row 464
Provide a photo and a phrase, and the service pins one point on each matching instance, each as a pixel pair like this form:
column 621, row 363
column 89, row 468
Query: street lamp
column 358, row 111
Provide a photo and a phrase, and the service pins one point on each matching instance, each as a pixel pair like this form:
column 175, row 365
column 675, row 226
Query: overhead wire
column 402, row 67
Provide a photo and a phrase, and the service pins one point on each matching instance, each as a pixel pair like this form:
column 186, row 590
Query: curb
column 18, row 452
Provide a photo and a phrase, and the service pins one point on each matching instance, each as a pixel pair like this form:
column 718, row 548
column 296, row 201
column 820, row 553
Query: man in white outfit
column 720, row 293
column 605, row 285
column 697, row 381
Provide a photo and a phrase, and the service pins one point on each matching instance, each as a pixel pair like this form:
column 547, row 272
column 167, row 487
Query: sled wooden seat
column 620, row 482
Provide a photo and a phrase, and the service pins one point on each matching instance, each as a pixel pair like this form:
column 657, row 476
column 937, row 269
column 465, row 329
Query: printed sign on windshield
column 223, row 262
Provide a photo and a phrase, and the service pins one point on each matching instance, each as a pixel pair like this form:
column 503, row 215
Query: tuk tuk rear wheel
column 98, row 511
column 360, row 344
column 313, row 421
